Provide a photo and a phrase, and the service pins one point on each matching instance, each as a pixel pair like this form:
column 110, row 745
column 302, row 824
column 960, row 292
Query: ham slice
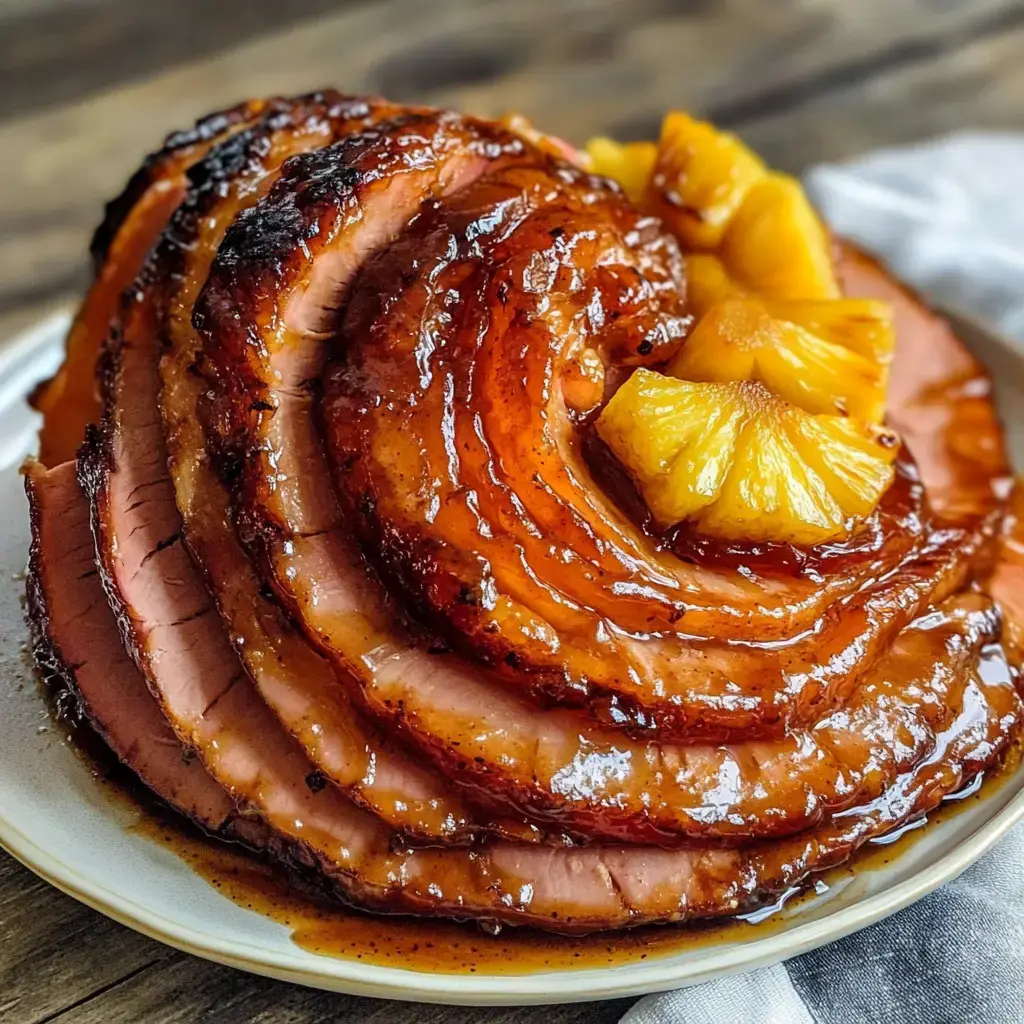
column 76, row 642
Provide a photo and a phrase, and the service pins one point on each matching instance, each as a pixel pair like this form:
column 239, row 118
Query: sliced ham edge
column 77, row 644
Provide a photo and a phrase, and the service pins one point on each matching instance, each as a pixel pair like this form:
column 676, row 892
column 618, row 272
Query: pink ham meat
column 76, row 642
column 299, row 686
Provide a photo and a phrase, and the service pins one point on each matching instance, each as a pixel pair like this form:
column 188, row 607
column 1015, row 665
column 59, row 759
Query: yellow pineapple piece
column 700, row 179
column 628, row 163
column 845, row 372
column 743, row 464
column 861, row 325
column 708, row 283
column 777, row 246
column 676, row 439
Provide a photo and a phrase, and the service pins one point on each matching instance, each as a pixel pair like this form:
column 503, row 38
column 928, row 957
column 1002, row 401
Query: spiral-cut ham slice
column 140, row 534
column 465, row 529
column 358, row 548
column 120, row 245
column 559, row 889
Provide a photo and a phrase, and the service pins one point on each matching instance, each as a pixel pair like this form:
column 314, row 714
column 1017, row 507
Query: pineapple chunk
column 864, row 326
column 629, row 163
column 843, row 369
column 700, row 179
column 743, row 464
column 708, row 283
column 777, row 246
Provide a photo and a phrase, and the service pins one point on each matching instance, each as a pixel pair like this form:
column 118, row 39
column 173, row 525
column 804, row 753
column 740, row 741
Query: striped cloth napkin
column 948, row 217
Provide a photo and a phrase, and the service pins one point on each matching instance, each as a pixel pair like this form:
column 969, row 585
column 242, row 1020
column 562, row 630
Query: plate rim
column 339, row 974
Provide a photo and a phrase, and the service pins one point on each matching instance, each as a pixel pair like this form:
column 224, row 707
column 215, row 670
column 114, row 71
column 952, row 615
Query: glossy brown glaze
column 940, row 400
column 447, row 947
column 355, row 541
column 473, row 495
column 1006, row 582
column 887, row 534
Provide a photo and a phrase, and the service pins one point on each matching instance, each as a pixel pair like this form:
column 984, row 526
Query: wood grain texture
column 57, row 51
column 89, row 85
column 61, row 962
column 581, row 67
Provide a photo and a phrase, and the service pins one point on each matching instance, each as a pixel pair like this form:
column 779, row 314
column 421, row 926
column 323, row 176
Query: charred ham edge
column 132, row 223
column 168, row 618
column 179, row 150
column 298, row 684
column 281, row 275
column 472, row 491
column 77, row 646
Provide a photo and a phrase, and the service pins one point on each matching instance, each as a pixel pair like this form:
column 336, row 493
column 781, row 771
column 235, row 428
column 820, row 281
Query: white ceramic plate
column 55, row 818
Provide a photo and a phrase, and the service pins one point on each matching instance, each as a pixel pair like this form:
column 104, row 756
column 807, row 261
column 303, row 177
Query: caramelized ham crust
column 474, row 494
column 356, row 540
column 120, row 245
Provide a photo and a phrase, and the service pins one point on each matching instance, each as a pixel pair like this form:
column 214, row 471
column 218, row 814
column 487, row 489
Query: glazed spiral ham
column 356, row 546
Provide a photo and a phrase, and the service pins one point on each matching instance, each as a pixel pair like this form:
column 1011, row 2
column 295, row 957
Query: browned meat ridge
column 119, row 247
column 340, row 376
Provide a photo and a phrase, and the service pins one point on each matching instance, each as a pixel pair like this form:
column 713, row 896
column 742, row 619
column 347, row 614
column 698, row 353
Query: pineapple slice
column 700, row 179
column 743, row 464
column 838, row 364
column 717, row 197
column 629, row 163
column 777, row 246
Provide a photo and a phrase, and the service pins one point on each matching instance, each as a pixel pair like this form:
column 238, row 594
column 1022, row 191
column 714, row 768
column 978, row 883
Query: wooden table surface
column 86, row 86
